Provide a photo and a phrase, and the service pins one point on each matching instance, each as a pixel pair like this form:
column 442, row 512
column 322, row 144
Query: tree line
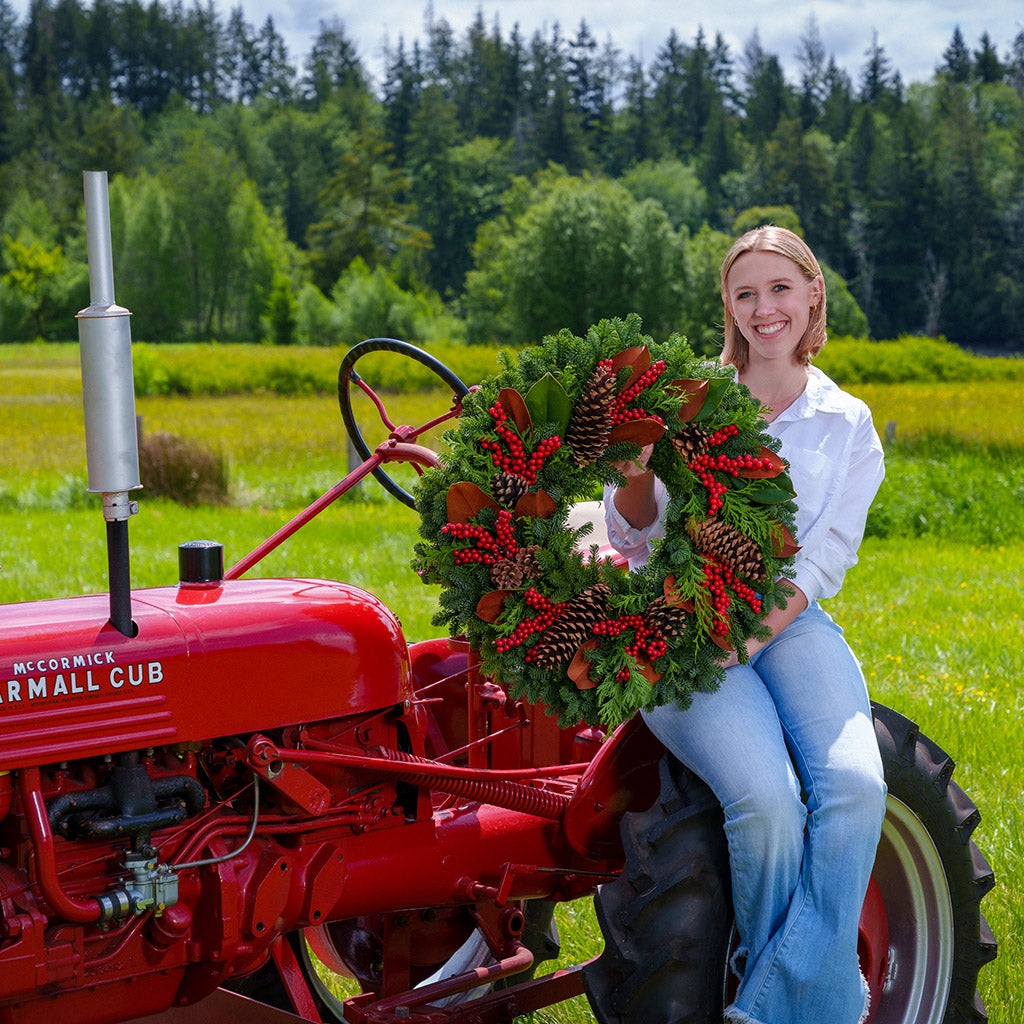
column 493, row 186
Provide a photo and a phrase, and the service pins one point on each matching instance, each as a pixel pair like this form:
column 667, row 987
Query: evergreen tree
column 956, row 59
column 987, row 66
column 811, row 59
column 333, row 65
column 766, row 98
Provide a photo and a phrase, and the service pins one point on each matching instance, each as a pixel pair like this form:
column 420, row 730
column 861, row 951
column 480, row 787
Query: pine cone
column 667, row 619
column 509, row 573
column 526, row 561
column 508, row 488
column 562, row 638
column 591, row 423
column 717, row 538
column 506, row 575
column 691, row 442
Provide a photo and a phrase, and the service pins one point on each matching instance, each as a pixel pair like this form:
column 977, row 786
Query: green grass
column 933, row 608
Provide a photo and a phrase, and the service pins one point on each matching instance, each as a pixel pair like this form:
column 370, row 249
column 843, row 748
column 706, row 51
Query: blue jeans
column 788, row 747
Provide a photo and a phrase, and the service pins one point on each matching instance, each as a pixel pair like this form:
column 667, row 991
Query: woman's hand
column 635, row 467
column 635, row 501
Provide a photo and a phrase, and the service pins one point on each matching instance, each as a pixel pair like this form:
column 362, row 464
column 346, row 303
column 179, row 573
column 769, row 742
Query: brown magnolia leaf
column 579, row 668
column 641, row 432
column 783, row 542
column 535, row 505
column 674, row 598
column 465, row 500
column 647, row 670
column 515, row 405
column 489, row 606
column 722, row 640
column 777, row 466
column 693, row 394
column 639, row 359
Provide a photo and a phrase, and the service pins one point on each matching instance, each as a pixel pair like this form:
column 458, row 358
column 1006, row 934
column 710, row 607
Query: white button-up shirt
column 836, row 464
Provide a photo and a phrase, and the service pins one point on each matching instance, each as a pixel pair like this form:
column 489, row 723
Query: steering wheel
column 347, row 378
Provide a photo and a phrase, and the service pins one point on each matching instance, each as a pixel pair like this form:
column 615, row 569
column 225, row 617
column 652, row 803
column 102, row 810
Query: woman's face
column 771, row 299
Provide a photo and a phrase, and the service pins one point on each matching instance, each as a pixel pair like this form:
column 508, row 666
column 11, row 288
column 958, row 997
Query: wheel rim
column 918, row 904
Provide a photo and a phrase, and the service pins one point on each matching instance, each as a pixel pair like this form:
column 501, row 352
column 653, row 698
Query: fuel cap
column 201, row 561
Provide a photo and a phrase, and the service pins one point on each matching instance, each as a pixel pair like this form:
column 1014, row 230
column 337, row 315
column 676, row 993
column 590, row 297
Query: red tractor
column 215, row 795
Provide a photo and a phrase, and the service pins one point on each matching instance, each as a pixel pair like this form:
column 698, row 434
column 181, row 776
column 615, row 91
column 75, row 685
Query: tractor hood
column 214, row 660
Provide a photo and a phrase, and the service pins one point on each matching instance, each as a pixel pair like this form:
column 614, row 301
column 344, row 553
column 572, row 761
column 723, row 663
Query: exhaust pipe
column 108, row 392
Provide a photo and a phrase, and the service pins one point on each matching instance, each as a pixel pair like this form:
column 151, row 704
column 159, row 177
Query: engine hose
column 502, row 793
column 65, row 906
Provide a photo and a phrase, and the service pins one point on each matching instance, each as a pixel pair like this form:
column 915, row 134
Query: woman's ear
column 817, row 290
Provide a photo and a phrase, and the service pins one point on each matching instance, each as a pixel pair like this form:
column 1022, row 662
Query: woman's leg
column 808, row 970
column 733, row 740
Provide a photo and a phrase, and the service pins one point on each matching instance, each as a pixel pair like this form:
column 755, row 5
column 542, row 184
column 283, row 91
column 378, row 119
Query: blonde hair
column 769, row 238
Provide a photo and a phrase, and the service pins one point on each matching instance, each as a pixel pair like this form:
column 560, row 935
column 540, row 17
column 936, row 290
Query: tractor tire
column 667, row 920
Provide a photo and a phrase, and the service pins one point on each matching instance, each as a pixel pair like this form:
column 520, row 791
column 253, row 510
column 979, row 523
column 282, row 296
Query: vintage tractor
column 217, row 794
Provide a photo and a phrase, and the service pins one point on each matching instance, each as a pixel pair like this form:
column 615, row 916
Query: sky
column 914, row 33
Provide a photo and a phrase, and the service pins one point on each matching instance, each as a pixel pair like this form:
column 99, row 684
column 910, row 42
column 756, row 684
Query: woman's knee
column 769, row 811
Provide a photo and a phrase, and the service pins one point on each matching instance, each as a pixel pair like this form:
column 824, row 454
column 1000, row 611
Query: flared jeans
column 788, row 747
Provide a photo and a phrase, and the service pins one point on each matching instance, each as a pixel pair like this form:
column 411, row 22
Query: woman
column 787, row 742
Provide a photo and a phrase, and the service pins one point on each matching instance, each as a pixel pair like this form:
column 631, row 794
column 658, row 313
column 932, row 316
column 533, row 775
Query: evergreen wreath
column 552, row 621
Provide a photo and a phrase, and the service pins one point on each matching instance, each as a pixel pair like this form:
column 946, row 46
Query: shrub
column 182, row 470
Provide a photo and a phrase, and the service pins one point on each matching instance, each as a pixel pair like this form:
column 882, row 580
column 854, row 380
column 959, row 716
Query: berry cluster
column 547, row 610
column 488, row 547
column 719, row 580
column 646, row 639
column 515, row 460
column 706, row 465
column 621, row 414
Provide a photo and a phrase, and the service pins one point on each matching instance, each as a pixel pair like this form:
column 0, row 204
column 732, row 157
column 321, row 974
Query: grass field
column 933, row 609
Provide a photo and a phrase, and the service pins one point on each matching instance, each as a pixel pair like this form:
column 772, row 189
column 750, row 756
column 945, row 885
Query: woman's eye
column 781, row 288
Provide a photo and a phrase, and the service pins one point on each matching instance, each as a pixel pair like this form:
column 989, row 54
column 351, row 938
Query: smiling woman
column 782, row 761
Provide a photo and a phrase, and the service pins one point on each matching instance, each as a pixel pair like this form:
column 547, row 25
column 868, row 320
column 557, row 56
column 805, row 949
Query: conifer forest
column 490, row 187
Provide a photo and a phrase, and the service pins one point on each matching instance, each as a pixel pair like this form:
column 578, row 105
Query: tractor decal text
column 47, row 684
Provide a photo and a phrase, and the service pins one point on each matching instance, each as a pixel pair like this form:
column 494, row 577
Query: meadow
column 933, row 609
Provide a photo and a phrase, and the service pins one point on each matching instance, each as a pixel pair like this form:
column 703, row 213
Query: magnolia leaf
column 513, row 404
column 722, row 640
column 547, row 402
column 647, row 670
column 465, row 500
column 779, row 489
column 777, row 466
column 641, row 432
column 693, row 393
column 783, row 542
column 638, row 359
column 717, row 387
column 579, row 668
column 535, row 505
column 673, row 597
column 490, row 605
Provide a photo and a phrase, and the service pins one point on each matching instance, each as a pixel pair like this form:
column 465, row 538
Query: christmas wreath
column 554, row 622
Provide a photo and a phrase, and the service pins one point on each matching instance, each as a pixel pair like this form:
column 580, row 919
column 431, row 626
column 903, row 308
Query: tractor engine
column 135, row 771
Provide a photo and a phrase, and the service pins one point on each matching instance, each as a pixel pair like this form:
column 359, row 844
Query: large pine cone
column 560, row 641
column 591, row 423
column 717, row 538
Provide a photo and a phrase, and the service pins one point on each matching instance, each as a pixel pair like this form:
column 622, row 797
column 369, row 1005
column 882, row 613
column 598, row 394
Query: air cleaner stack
column 108, row 388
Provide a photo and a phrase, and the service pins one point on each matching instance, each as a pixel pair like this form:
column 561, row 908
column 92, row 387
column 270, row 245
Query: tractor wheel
column 667, row 920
